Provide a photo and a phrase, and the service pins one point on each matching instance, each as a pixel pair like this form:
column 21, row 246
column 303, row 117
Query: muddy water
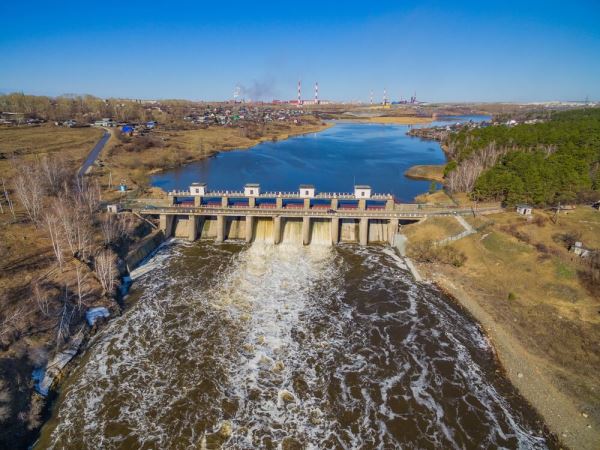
column 262, row 346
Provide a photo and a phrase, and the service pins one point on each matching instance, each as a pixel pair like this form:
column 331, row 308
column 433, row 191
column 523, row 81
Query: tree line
column 87, row 108
column 542, row 164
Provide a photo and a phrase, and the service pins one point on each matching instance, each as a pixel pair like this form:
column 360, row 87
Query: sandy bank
column 433, row 172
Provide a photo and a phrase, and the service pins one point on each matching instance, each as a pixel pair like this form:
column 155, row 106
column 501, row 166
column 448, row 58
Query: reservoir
column 247, row 346
column 333, row 160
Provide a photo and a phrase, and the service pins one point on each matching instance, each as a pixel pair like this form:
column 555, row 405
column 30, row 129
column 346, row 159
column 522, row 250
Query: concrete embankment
column 143, row 248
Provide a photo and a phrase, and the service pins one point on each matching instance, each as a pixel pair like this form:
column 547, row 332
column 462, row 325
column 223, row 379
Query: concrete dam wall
column 301, row 230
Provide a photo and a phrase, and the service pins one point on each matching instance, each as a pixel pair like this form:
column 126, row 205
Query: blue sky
column 443, row 51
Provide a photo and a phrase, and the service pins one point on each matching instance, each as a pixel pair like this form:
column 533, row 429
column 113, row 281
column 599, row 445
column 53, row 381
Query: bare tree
column 87, row 194
column 54, row 172
column 29, row 190
column 41, row 299
column 66, row 314
column 115, row 227
column 107, row 271
column 53, row 226
column 463, row 178
column 8, row 200
column 75, row 226
column 81, row 277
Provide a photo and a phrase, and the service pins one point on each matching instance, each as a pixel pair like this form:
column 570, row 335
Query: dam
column 361, row 216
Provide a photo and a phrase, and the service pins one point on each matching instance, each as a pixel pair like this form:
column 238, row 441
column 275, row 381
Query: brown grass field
column 72, row 144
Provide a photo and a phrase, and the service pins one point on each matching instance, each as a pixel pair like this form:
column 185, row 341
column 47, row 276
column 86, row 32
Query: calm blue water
column 333, row 160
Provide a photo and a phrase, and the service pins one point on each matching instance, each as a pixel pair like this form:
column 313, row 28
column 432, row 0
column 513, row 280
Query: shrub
column 428, row 251
column 512, row 296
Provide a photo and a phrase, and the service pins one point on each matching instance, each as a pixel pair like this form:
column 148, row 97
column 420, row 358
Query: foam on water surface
column 256, row 346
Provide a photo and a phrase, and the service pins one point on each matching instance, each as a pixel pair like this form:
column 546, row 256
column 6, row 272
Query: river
column 240, row 345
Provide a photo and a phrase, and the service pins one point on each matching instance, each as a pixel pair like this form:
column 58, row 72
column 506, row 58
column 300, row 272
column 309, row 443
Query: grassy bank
column 523, row 285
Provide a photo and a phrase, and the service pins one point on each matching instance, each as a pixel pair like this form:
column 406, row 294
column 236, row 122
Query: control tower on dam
column 250, row 214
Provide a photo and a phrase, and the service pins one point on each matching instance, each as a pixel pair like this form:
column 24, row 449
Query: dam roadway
column 361, row 216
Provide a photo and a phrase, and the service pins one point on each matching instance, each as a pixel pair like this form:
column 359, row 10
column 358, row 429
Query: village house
column 580, row 250
column 524, row 210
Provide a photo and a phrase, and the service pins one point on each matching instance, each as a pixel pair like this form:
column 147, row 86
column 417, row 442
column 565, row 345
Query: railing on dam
column 284, row 195
column 400, row 211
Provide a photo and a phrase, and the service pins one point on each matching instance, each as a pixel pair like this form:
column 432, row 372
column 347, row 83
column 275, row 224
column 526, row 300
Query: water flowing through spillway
column 263, row 346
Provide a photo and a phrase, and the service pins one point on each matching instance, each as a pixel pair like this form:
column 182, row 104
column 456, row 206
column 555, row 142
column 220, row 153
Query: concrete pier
column 306, row 230
column 193, row 228
column 166, row 224
column 363, row 231
column 392, row 230
column 249, row 228
column 276, row 230
column 335, row 230
column 220, row 228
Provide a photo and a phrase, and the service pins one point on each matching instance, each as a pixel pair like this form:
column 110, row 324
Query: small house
column 580, row 250
column 113, row 208
column 198, row 189
column 252, row 190
column 306, row 191
column 362, row 191
column 524, row 210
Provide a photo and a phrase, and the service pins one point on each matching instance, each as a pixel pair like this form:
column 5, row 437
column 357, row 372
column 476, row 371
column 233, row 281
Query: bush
column 429, row 252
column 512, row 296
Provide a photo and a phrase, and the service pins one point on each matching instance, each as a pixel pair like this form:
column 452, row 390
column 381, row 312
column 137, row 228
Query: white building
column 198, row 189
column 252, row 190
column 362, row 191
column 580, row 250
column 524, row 210
column 306, row 191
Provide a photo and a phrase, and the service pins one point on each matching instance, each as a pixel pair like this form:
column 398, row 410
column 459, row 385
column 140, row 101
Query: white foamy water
column 268, row 346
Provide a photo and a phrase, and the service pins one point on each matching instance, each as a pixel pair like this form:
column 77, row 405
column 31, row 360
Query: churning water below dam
column 289, row 346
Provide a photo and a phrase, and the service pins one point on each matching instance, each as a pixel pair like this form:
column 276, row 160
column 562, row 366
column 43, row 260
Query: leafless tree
column 53, row 226
column 66, row 314
column 8, row 200
column 29, row 190
column 87, row 194
column 463, row 178
column 75, row 224
column 107, row 271
column 115, row 227
column 54, row 173
column 82, row 275
column 41, row 299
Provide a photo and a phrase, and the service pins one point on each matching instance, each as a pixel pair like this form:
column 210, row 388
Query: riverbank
column 132, row 163
column 542, row 321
